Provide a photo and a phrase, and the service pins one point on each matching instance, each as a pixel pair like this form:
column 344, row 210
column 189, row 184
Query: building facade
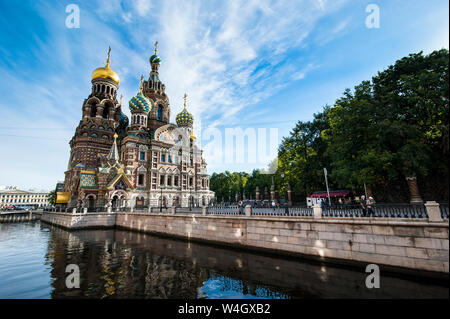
column 11, row 196
column 142, row 161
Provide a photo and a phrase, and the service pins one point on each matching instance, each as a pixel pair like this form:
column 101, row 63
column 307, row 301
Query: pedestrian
column 363, row 204
column 273, row 205
column 371, row 206
column 322, row 204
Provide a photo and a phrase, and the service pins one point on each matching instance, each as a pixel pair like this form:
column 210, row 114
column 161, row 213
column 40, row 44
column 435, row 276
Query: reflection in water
column 122, row 264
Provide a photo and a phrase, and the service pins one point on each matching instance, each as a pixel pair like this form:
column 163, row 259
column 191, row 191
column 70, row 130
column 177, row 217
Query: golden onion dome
column 106, row 72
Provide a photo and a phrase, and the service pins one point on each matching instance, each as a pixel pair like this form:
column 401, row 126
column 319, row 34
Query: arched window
column 138, row 119
column 105, row 112
column 93, row 110
column 160, row 109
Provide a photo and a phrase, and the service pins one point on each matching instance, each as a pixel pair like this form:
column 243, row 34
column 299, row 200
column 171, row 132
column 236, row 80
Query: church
column 139, row 162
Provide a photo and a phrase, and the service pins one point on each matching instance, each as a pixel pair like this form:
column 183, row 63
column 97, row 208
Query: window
column 175, row 181
column 190, row 181
column 163, row 158
column 160, row 112
column 141, row 179
column 169, row 180
column 161, row 180
column 142, row 156
column 170, row 159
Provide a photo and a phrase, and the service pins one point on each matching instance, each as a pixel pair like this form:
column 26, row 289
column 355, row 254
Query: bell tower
column 154, row 90
column 94, row 135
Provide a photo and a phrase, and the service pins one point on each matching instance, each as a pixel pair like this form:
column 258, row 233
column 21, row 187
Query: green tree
column 52, row 197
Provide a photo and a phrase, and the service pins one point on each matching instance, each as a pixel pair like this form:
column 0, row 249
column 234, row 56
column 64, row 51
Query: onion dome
column 155, row 58
column 184, row 117
column 106, row 72
column 139, row 103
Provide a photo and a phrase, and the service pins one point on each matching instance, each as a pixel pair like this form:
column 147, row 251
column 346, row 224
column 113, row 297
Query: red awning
column 332, row 194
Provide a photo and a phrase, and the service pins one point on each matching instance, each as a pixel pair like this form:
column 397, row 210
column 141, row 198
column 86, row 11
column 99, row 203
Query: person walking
column 322, row 204
column 371, row 206
column 363, row 204
column 273, row 205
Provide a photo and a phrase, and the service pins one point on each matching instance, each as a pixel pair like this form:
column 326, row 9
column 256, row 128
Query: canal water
column 123, row 264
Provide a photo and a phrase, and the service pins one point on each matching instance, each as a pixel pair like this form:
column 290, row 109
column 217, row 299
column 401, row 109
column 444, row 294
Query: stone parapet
column 404, row 243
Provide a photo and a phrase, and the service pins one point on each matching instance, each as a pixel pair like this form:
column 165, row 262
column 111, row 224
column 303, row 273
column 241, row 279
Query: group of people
column 367, row 205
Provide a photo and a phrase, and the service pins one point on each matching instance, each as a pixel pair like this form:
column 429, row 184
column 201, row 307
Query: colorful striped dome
column 184, row 118
column 139, row 103
column 155, row 59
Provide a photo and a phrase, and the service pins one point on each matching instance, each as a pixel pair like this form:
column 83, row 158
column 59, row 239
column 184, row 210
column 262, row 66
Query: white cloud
column 225, row 55
column 142, row 7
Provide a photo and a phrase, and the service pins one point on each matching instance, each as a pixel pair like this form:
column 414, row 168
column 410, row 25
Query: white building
column 12, row 196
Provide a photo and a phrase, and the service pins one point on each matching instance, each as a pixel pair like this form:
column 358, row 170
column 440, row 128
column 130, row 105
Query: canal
column 123, row 264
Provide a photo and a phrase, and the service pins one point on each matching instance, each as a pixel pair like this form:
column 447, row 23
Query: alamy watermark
column 73, row 19
column 73, row 279
column 373, row 279
column 373, row 19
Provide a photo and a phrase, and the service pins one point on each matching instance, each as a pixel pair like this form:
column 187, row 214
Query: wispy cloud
column 226, row 55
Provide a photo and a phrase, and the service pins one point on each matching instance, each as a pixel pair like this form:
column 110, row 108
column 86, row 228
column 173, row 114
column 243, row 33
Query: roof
column 18, row 191
column 324, row 194
column 117, row 178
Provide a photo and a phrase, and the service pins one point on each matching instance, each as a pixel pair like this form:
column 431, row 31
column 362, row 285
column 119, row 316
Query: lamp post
column 190, row 198
column 286, row 211
column 161, row 199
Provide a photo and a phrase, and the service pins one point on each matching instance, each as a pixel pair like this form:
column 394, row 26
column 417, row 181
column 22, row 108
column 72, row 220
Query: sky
column 253, row 65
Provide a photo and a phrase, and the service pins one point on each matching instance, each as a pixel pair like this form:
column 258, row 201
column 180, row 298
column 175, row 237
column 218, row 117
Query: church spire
column 109, row 56
column 114, row 152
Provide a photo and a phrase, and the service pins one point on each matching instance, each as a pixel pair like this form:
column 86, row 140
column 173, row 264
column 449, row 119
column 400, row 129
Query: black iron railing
column 378, row 210
column 223, row 210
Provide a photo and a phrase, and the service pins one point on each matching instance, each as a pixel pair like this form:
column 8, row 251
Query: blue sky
column 257, row 64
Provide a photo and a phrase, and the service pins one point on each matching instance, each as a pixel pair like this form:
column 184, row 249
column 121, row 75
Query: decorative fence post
column 172, row 210
column 317, row 211
column 248, row 210
column 434, row 213
column 204, row 210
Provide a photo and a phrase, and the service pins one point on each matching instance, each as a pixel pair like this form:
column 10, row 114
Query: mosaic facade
column 142, row 161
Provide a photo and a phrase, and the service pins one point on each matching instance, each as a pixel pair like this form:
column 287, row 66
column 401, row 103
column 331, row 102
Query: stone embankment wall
column 80, row 221
column 411, row 244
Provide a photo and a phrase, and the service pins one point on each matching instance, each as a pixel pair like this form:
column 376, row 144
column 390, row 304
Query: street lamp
column 161, row 199
column 286, row 211
column 190, row 198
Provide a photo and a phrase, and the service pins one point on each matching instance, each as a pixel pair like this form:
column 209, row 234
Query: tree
column 52, row 197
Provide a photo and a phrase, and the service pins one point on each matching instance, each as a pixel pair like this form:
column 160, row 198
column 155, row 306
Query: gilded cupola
column 106, row 72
